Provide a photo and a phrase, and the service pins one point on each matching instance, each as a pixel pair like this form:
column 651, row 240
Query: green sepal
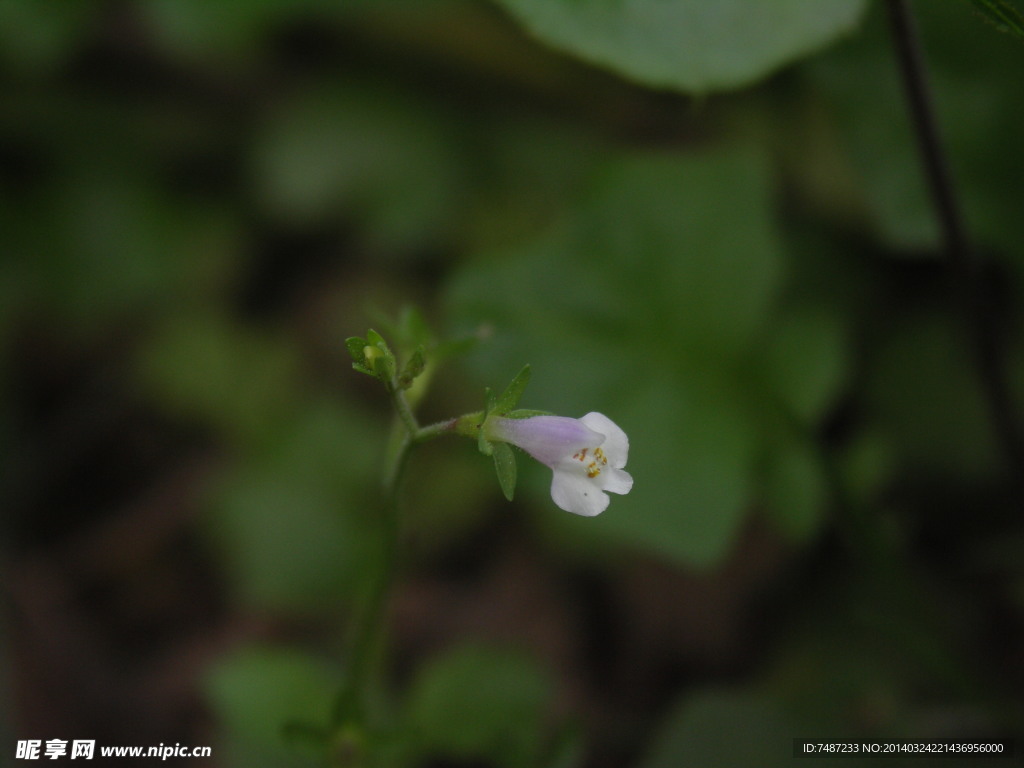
column 379, row 357
column 510, row 397
column 357, row 349
column 526, row 413
column 413, row 367
column 355, row 346
column 481, row 441
column 505, row 465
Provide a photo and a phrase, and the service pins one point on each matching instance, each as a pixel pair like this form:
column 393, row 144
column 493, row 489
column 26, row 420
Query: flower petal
column 549, row 439
column 578, row 494
column 618, row 480
column 616, row 444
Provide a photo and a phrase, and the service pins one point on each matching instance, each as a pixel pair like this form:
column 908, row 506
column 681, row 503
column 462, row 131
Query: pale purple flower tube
column 586, row 455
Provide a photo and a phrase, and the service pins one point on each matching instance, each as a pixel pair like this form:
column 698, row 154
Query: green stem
column 402, row 408
column 368, row 632
column 350, row 710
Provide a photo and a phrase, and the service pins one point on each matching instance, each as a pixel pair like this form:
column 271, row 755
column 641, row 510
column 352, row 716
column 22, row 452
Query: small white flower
column 587, row 456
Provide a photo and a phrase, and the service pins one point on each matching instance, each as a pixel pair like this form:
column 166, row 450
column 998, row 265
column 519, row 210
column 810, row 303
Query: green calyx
column 503, row 406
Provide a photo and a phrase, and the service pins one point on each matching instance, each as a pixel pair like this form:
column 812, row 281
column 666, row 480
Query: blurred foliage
column 480, row 703
column 689, row 45
column 214, row 194
column 263, row 693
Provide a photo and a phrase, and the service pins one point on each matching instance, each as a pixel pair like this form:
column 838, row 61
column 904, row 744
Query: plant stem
column 402, row 408
column 369, row 626
column 979, row 317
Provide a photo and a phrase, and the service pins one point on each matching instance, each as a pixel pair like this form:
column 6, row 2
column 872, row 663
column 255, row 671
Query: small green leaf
column 505, row 464
column 413, row 367
column 510, row 397
column 1002, row 15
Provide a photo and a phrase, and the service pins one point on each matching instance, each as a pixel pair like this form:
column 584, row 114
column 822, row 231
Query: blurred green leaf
column 692, row 455
column 205, row 367
column 222, row 34
column 116, row 243
column 926, row 397
column 689, row 45
column 719, row 727
column 255, row 692
column 643, row 304
column 795, row 490
column 805, row 361
column 481, row 703
column 449, row 511
column 38, row 36
column 293, row 524
column 370, row 153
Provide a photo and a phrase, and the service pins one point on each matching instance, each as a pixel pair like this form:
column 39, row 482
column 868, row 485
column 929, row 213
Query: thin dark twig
column 979, row 315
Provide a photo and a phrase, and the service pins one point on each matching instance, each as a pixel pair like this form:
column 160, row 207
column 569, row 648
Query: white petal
column 578, row 494
column 617, row 480
column 616, row 444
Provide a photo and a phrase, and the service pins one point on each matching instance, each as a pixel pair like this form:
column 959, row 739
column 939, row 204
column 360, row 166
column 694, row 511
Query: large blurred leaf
column 794, row 492
column 804, row 359
column 207, row 368
column 925, row 394
column 107, row 240
column 370, row 153
column 643, row 304
column 295, row 526
column 256, row 692
column 691, row 45
column 480, row 703
column 718, row 728
column 38, row 36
